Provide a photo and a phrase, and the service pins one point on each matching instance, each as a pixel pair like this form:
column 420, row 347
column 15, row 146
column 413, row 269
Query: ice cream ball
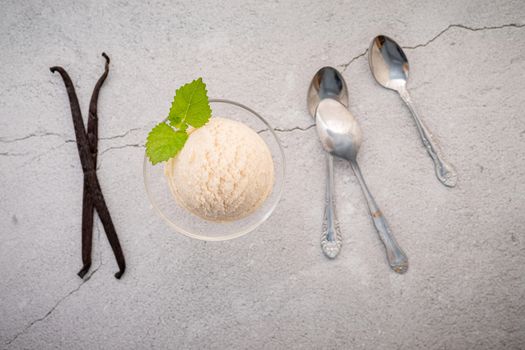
column 224, row 172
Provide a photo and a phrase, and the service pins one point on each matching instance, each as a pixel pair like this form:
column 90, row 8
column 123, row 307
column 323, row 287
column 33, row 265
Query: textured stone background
column 272, row 289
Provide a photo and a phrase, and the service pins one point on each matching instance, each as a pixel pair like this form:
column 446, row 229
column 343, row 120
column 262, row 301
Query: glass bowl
column 193, row 226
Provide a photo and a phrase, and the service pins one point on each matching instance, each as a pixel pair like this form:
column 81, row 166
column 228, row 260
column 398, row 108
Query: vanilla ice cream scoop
column 224, row 172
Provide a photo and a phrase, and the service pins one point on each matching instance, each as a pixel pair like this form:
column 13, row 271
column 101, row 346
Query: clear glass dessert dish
column 189, row 224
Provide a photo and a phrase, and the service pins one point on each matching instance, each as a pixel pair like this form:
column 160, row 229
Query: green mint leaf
column 164, row 143
column 183, row 126
column 190, row 105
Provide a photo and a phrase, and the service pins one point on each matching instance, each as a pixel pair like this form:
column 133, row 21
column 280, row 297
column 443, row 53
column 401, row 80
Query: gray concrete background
column 272, row 289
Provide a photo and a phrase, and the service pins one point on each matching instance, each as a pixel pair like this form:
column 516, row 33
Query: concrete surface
column 272, row 289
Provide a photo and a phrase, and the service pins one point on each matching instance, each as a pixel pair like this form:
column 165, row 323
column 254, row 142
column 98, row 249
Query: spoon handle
column 445, row 172
column 397, row 259
column 331, row 240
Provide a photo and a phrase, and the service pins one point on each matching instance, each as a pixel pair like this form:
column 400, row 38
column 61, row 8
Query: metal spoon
column 328, row 83
column 340, row 135
column 389, row 66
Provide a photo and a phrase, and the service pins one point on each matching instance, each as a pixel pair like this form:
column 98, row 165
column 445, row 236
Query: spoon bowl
column 338, row 130
column 326, row 83
column 388, row 63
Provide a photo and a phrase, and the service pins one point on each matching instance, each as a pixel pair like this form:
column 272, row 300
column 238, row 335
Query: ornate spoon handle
column 397, row 259
column 445, row 172
column 331, row 241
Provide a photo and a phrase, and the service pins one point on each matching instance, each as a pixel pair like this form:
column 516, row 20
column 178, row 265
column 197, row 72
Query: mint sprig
column 190, row 107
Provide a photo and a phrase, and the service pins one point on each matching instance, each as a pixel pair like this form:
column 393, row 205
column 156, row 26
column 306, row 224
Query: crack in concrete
column 461, row 26
column 344, row 66
column 121, row 135
column 300, row 128
column 49, row 150
column 279, row 130
column 57, row 304
column 44, row 134
column 295, row 128
column 120, row 147
column 134, row 145
column 12, row 154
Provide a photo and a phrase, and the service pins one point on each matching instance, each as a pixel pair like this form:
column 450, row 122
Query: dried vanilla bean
column 89, row 169
column 88, row 208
